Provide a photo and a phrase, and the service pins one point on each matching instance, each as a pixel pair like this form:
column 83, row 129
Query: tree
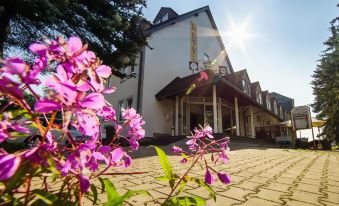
column 326, row 84
column 112, row 28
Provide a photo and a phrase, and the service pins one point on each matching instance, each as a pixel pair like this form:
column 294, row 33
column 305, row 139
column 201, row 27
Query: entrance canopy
column 315, row 123
column 193, row 86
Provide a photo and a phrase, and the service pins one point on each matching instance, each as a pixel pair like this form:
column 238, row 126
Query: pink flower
column 203, row 76
column 8, row 166
column 207, row 131
column 104, row 71
column 7, row 125
column 209, row 179
column 184, row 160
column 15, row 66
column 84, row 183
column 224, row 178
column 46, row 105
column 176, row 149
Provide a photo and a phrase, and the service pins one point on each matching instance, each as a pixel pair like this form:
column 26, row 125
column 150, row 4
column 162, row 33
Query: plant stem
column 49, row 126
column 182, row 178
column 28, row 190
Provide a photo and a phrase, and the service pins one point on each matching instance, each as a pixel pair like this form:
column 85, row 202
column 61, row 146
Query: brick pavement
column 259, row 177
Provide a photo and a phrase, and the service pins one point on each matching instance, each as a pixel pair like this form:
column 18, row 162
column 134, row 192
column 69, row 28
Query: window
column 120, row 105
column 108, row 81
column 246, row 87
column 275, row 108
column 126, row 104
column 258, row 96
column 281, row 113
column 165, row 17
column 268, row 103
column 129, row 102
column 206, row 58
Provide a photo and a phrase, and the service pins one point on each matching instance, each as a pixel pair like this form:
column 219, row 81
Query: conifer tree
column 325, row 84
column 113, row 28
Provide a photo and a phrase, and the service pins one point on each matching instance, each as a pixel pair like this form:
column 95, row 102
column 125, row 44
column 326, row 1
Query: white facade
column 166, row 57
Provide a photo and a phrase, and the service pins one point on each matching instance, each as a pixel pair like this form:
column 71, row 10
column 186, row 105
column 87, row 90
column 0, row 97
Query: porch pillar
column 182, row 116
column 215, row 120
column 252, row 123
column 236, row 107
column 219, row 116
column 176, row 126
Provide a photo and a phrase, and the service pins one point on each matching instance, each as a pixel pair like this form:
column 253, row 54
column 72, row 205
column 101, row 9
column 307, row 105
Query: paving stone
column 270, row 195
column 298, row 203
column 306, row 197
column 248, row 185
column 236, row 193
column 222, row 201
column 309, row 181
column 284, row 180
column 309, row 188
column 259, row 202
column 332, row 197
column 331, row 188
column 259, row 179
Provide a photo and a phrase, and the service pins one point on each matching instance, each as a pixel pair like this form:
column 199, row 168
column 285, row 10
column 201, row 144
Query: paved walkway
column 260, row 176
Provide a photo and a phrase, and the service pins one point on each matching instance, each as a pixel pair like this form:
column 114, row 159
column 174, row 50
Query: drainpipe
column 140, row 80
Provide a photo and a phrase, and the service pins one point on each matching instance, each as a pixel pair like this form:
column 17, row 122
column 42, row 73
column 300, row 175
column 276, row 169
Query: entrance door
column 196, row 116
column 209, row 116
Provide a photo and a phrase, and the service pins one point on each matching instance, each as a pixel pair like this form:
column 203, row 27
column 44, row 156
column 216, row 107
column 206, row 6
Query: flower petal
column 94, row 101
column 38, row 48
column 209, row 179
column 117, row 154
column 46, row 106
column 74, row 44
column 84, row 183
column 8, row 166
column 104, row 71
column 224, row 178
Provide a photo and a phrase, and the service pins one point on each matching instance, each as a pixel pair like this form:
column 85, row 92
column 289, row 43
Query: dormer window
column 206, row 58
column 268, row 102
column 246, row 87
column 165, row 17
column 275, row 107
column 258, row 96
column 281, row 112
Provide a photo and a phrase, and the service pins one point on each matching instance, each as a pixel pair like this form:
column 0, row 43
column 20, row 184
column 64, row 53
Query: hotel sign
column 301, row 117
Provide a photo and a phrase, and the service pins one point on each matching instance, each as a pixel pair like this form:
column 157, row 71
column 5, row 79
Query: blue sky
column 283, row 43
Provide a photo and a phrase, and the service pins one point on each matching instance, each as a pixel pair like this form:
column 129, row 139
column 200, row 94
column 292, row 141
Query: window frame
column 123, row 104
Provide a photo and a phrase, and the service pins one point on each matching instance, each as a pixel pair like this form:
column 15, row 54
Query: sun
column 238, row 34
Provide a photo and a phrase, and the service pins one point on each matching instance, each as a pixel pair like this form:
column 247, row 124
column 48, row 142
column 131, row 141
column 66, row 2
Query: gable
column 162, row 25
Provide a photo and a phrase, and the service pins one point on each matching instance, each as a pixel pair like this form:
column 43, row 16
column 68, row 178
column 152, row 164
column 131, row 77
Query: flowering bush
column 76, row 93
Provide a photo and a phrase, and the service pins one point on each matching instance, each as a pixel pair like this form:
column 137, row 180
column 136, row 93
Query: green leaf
column 164, row 163
column 18, row 134
column 102, row 185
column 130, row 193
column 44, row 197
column 110, row 190
column 162, row 178
column 206, row 186
column 20, row 112
column 95, row 193
column 186, row 201
column 182, row 187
